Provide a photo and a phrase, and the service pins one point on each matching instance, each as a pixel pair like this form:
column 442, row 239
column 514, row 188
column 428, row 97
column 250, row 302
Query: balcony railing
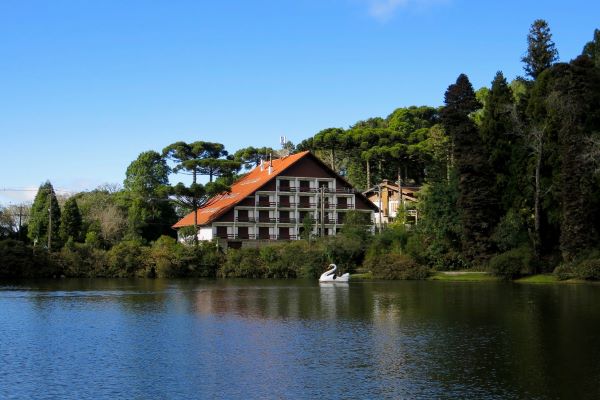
column 245, row 219
column 254, row 236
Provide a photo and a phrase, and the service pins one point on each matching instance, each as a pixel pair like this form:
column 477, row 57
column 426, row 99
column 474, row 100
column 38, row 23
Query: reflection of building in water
column 257, row 302
column 386, row 311
column 275, row 302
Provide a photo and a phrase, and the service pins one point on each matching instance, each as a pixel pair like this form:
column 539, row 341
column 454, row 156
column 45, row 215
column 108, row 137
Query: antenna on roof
column 283, row 141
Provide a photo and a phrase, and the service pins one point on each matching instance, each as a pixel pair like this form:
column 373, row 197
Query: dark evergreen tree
column 70, row 221
column 476, row 201
column 498, row 134
column 541, row 51
column 45, row 212
column 575, row 104
column 592, row 49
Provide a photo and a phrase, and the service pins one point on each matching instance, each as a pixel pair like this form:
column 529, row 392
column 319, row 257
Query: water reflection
column 231, row 339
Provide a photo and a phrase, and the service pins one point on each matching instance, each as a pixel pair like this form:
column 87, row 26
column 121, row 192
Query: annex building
column 273, row 200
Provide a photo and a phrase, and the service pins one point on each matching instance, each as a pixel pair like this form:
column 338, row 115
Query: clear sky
column 85, row 86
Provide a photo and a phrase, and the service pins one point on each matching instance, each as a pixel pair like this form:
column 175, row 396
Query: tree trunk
column 368, row 175
column 536, row 201
column 332, row 154
column 195, row 205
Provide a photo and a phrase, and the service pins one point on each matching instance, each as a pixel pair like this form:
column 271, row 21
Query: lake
column 169, row 339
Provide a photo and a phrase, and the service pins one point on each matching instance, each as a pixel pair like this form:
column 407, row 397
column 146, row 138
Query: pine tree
column 541, row 51
column 592, row 49
column 498, row 134
column 70, row 221
column 476, row 199
column 574, row 103
column 45, row 211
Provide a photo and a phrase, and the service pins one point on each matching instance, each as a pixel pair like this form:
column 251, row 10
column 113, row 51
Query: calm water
column 153, row 339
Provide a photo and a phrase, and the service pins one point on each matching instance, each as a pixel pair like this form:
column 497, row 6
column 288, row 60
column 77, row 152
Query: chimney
column 270, row 164
column 262, row 164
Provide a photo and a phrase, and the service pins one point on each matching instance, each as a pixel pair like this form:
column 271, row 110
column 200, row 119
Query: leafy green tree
column 476, row 200
column 70, row 221
column 146, row 184
column 45, row 217
column 541, row 51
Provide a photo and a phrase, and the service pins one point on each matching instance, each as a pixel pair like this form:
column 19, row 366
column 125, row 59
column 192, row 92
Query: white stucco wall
column 205, row 233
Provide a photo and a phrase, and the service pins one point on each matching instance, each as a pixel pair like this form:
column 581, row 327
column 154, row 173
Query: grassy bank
column 463, row 276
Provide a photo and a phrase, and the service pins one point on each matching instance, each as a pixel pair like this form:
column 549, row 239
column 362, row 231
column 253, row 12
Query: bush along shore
column 394, row 253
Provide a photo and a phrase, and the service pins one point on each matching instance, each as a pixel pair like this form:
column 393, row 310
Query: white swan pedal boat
column 330, row 276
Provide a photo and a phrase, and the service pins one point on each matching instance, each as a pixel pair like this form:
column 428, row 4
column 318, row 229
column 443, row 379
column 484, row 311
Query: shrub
column 82, row 260
column 396, row 266
column 17, row 260
column 564, row 272
column 242, row 263
column 126, row 259
column 588, row 269
column 512, row 263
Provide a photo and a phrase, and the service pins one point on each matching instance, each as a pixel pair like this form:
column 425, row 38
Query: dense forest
column 510, row 178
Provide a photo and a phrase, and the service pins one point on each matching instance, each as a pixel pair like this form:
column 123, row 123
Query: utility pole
column 49, row 226
column 379, row 191
column 20, row 214
column 322, row 211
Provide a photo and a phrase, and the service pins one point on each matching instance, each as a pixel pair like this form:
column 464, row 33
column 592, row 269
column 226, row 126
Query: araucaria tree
column 199, row 158
column 541, row 51
column 44, row 221
column 476, row 200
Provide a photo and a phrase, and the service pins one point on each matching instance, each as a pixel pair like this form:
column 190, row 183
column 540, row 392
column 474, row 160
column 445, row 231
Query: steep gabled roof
column 241, row 189
column 244, row 187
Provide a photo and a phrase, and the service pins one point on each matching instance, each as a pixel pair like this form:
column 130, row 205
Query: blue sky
column 85, row 86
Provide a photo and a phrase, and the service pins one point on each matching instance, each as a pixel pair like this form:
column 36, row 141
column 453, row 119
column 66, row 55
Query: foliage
column 592, row 49
column 18, row 260
column 541, row 51
column 126, row 259
column 513, row 263
column 476, row 196
column 395, row 266
column 45, row 211
column 70, row 222
column 150, row 214
column 242, row 263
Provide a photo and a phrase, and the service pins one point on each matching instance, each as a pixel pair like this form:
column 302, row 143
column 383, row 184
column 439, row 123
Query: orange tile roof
column 241, row 189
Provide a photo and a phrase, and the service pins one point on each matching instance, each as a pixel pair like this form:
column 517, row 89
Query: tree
column 330, row 139
column 44, row 221
column 592, row 49
column 498, row 134
column 476, row 200
column 575, row 104
column 147, row 187
column 199, row 158
column 541, row 51
column 250, row 157
column 70, row 221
